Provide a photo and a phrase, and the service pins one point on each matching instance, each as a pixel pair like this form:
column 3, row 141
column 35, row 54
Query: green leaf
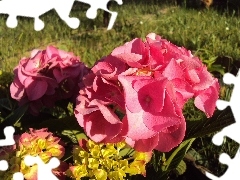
column 5, row 103
column 181, row 168
column 174, row 158
column 217, row 68
column 193, row 156
column 61, row 124
column 127, row 151
column 156, row 159
column 74, row 135
column 67, row 126
column 177, row 155
column 218, row 121
column 14, row 117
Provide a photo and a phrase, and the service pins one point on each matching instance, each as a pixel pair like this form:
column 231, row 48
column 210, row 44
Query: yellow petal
column 100, row 174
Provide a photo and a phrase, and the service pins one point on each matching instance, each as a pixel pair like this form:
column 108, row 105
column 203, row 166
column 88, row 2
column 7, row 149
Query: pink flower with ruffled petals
column 96, row 109
column 146, row 84
column 45, row 77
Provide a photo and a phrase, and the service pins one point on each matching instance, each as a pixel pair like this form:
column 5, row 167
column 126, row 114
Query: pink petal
column 105, row 90
column 118, row 138
column 32, row 65
column 109, row 67
column 102, row 68
column 206, row 100
column 72, row 71
column 143, row 145
column 151, row 94
column 107, row 113
column 131, row 96
column 193, row 76
column 156, row 59
column 173, row 70
column 35, row 89
column 183, row 87
column 98, row 129
column 134, row 53
column 135, row 46
column 173, row 51
column 169, row 116
column 133, row 123
column 50, row 89
column 34, row 53
column 131, row 59
column 180, row 92
column 58, row 75
column 169, row 140
column 17, row 89
column 80, row 118
column 153, row 37
column 191, row 63
column 83, row 106
column 21, row 72
column 206, row 79
column 51, row 51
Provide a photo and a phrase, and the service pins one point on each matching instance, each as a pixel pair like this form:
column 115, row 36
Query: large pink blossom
column 142, row 87
column 45, row 77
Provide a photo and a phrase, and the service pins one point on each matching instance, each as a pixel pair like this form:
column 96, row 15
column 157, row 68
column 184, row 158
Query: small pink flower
column 45, row 77
column 35, row 143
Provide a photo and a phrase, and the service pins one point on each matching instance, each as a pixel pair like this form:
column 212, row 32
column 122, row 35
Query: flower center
column 148, row 99
column 144, row 72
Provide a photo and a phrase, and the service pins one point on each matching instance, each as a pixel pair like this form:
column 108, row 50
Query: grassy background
column 196, row 29
column 208, row 33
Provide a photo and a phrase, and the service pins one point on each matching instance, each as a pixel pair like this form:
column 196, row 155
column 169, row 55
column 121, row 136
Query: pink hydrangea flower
column 147, row 84
column 45, row 77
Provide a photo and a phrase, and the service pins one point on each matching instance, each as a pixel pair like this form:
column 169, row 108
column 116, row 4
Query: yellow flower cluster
column 103, row 161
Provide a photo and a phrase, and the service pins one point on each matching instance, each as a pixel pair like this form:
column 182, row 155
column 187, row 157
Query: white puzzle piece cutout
column 232, row 172
column 44, row 170
column 36, row 8
column 231, row 131
column 9, row 140
column 18, row 176
column 3, row 165
column 96, row 4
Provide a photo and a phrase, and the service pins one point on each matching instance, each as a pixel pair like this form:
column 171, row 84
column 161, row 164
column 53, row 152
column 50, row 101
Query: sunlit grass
column 194, row 29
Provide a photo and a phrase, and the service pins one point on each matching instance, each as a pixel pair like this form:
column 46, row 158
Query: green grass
column 191, row 28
